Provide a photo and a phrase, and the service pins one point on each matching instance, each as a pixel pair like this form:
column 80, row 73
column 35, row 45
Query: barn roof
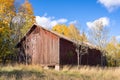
column 55, row 33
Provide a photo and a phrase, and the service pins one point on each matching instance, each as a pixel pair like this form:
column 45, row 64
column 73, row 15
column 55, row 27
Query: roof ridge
column 58, row 34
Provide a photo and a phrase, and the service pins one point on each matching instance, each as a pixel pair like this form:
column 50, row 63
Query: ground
column 35, row 72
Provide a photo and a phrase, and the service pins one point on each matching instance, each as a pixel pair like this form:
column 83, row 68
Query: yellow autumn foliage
column 62, row 29
column 27, row 12
column 7, row 11
column 113, row 52
column 70, row 31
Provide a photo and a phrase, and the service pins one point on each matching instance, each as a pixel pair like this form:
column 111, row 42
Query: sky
column 83, row 13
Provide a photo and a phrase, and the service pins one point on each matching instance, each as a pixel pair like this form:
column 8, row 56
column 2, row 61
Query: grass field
column 31, row 72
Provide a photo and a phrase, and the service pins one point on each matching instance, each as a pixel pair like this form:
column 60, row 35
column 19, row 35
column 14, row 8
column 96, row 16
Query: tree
column 99, row 37
column 70, row 31
column 113, row 52
column 13, row 25
column 62, row 29
column 7, row 11
column 26, row 12
column 79, row 39
column 26, row 8
column 21, row 23
column 73, row 33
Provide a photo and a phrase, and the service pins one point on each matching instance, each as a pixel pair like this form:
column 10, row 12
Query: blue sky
column 79, row 12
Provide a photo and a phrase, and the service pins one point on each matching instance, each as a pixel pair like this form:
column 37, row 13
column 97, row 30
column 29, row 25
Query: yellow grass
column 35, row 72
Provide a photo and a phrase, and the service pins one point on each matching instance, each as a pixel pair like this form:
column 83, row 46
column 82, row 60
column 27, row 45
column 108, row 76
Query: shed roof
column 55, row 33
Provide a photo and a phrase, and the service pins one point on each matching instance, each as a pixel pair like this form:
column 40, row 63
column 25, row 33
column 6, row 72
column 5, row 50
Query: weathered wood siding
column 68, row 54
column 93, row 57
column 43, row 47
column 48, row 48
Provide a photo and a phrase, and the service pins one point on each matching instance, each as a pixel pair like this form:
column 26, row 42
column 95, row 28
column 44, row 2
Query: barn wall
column 43, row 47
column 69, row 56
column 46, row 48
column 67, row 52
column 93, row 57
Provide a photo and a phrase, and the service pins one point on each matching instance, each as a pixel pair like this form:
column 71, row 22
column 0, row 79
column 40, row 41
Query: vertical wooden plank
column 57, row 50
column 42, row 46
column 38, row 48
column 45, row 49
column 34, row 50
column 51, row 50
column 58, row 42
column 52, row 53
column 50, row 47
column 41, row 35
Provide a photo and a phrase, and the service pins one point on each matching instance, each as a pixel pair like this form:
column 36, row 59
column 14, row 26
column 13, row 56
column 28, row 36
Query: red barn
column 48, row 48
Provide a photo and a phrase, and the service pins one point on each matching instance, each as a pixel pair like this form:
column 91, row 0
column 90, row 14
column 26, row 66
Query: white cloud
column 62, row 20
column 73, row 22
column 49, row 22
column 118, row 37
column 101, row 22
column 110, row 4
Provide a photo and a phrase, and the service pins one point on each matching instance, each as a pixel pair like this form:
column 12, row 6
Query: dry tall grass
column 35, row 72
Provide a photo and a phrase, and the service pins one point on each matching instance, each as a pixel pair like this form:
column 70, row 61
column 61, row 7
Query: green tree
column 7, row 11
column 22, row 22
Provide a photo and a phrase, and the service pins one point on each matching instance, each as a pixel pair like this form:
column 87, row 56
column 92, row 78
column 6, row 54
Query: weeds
column 35, row 72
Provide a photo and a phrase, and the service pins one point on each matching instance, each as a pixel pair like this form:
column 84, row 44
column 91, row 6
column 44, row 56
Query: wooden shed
column 48, row 48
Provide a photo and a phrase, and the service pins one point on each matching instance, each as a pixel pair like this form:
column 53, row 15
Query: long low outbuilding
column 48, row 48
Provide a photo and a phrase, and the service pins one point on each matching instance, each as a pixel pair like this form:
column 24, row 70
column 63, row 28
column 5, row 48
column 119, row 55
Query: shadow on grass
column 19, row 74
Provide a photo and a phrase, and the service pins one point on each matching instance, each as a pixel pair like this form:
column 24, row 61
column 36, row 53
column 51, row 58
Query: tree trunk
column 3, row 60
column 78, row 58
column 102, row 61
